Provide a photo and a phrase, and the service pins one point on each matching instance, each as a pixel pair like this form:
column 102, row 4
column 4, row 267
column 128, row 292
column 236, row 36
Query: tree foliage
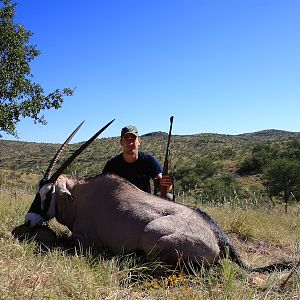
column 260, row 156
column 283, row 177
column 205, row 168
column 189, row 177
column 220, row 189
column 19, row 95
column 292, row 150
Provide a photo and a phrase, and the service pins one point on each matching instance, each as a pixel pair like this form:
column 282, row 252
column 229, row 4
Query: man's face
column 130, row 143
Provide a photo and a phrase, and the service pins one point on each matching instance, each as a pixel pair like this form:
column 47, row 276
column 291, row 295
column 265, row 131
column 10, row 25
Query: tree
column 293, row 149
column 19, row 96
column 205, row 168
column 261, row 154
column 283, row 177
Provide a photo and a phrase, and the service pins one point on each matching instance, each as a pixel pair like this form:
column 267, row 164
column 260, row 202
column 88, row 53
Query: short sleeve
column 154, row 166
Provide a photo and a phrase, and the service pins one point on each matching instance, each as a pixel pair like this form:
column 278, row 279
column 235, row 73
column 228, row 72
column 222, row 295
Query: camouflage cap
column 129, row 129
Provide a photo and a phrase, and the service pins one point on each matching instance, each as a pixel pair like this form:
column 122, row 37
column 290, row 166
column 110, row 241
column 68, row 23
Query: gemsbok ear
column 65, row 191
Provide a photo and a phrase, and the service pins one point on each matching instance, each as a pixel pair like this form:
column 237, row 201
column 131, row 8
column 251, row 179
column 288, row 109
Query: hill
column 185, row 149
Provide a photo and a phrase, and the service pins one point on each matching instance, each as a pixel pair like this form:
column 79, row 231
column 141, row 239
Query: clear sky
column 217, row 66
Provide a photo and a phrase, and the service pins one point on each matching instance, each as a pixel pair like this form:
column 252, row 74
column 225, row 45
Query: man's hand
column 166, row 182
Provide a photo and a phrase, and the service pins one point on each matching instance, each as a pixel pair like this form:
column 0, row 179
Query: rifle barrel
column 163, row 190
column 166, row 161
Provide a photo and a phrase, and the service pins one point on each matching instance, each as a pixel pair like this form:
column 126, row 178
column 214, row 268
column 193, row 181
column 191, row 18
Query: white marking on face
column 43, row 191
column 33, row 219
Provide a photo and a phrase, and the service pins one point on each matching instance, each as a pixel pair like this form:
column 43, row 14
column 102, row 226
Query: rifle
column 163, row 191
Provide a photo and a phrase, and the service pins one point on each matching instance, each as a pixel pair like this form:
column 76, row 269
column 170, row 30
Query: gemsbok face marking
column 43, row 206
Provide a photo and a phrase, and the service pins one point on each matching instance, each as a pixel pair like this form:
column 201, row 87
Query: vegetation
column 283, row 176
column 206, row 169
column 231, row 177
column 27, row 272
column 19, row 96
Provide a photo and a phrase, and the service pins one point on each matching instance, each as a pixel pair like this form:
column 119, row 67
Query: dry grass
column 261, row 236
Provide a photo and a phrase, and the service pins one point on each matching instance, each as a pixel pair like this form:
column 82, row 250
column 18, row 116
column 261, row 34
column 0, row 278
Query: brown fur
column 110, row 211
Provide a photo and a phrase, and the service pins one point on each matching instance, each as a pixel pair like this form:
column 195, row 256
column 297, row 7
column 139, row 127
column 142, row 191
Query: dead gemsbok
column 109, row 211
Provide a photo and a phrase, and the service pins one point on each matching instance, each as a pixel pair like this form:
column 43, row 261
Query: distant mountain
column 155, row 133
column 270, row 134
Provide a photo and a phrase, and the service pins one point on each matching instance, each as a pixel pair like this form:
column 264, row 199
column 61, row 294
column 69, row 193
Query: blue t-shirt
column 139, row 172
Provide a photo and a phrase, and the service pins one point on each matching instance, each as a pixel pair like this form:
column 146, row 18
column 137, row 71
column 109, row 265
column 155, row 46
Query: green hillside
column 196, row 160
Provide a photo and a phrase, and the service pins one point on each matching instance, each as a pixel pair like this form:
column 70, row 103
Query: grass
column 262, row 236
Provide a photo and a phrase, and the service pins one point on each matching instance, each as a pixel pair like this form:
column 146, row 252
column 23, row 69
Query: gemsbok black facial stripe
column 47, row 201
column 36, row 205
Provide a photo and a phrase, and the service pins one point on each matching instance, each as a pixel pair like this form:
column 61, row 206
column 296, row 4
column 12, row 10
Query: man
column 136, row 166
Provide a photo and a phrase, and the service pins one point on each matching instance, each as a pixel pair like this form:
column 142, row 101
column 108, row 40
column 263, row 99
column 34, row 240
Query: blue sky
column 220, row 66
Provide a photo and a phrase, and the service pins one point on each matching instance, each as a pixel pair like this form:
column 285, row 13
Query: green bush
column 282, row 177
